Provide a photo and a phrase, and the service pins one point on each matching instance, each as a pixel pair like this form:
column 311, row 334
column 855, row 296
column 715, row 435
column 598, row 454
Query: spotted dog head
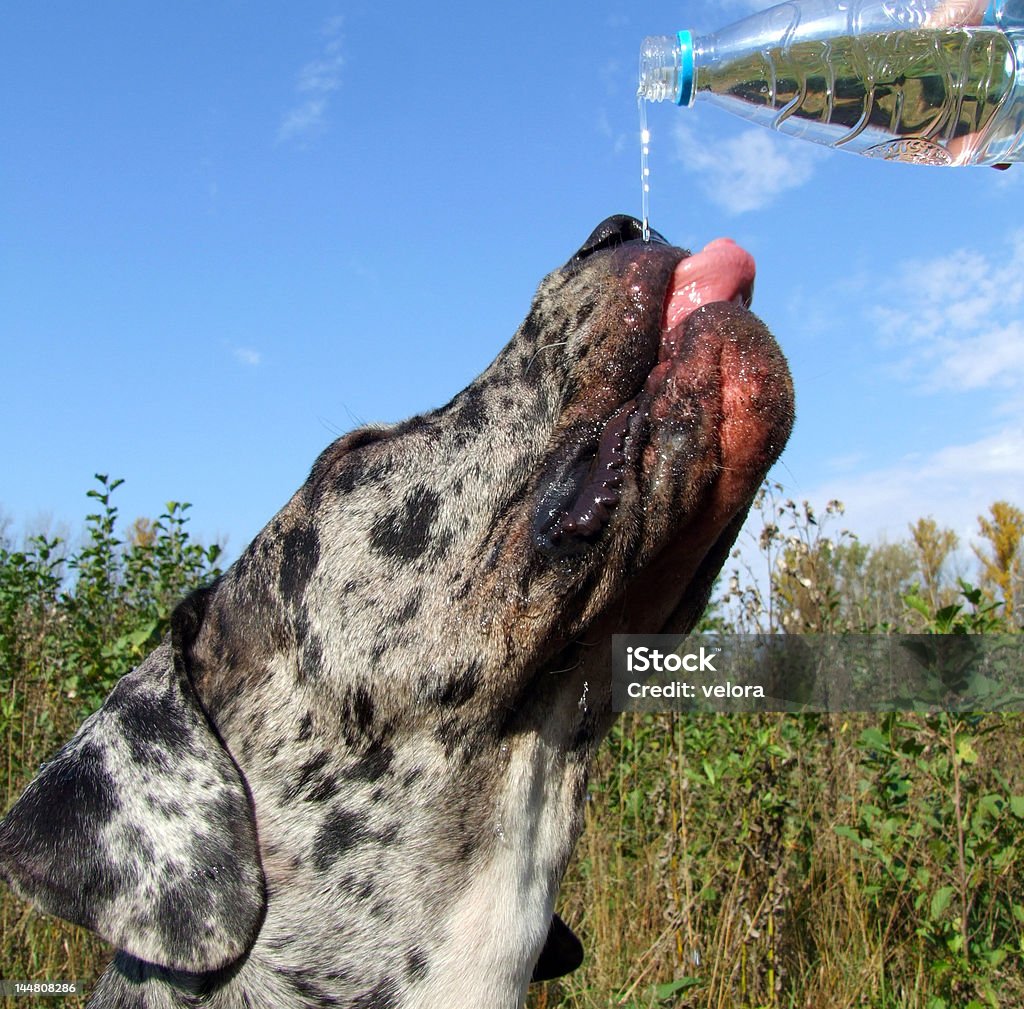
column 354, row 774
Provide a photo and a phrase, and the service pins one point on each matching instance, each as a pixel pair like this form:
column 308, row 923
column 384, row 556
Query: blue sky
column 230, row 232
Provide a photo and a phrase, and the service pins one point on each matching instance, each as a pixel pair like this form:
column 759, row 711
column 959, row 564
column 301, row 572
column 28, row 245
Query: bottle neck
column 667, row 68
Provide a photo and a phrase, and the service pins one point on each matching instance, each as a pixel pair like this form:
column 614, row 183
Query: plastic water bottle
column 937, row 82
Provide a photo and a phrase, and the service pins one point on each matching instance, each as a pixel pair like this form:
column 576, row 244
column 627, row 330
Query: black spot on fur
column 81, row 788
column 154, row 731
column 311, row 659
column 373, row 764
column 411, row 608
column 442, row 544
column 134, row 840
column 531, row 329
column 300, row 553
column 170, row 809
column 384, row 911
column 416, row 965
column 301, row 984
column 571, row 389
column 460, row 687
column 405, row 533
column 341, row 831
column 472, row 413
column 65, row 810
column 362, row 888
column 451, row 732
column 305, row 727
column 584, row 312
column 178, row 908
column 358, row 473
column 351, row 475
column 310, row 770
column 383, row 995
column 323, row 790
column 362, row 708
column 342, row 460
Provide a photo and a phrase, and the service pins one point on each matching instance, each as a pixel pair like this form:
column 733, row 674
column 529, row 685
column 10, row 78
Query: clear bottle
column 937, row 82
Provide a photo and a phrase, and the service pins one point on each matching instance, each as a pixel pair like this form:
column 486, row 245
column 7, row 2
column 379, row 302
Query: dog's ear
column 141, row 827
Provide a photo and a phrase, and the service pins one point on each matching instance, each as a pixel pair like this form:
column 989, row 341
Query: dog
column 354, row 772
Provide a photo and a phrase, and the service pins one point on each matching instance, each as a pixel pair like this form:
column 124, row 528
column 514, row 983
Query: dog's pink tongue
column 721, row 272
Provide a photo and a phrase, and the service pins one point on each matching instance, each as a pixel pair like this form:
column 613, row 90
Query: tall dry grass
column 712, row 874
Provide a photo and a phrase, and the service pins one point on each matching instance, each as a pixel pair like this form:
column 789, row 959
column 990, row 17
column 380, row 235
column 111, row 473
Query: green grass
column 742, row 861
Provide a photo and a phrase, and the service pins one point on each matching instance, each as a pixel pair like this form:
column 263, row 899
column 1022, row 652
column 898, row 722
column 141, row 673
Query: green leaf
column 919, row 604
column 874, row 739
column 940, row 901
column 670, row 988
column 1017, row 806
column 965, row 752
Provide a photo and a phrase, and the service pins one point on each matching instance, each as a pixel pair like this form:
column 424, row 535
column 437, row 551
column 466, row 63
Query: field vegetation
column 733, row 862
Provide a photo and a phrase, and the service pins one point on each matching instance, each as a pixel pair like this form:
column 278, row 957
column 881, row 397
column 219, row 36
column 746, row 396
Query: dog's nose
column 612, row 232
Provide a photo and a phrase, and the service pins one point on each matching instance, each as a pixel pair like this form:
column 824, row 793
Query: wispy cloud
column 945, row 328
column 315, row 84
column 247, row 356
column 961, row 480
column 747, row 171
column 955, row 320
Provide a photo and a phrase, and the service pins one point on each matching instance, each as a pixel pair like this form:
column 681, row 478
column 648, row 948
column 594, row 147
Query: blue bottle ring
column 684, row 93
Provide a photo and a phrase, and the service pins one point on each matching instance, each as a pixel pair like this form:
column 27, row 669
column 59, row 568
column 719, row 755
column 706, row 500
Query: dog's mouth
column 700, row 387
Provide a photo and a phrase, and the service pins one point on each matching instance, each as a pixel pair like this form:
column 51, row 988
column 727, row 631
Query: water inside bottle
column 645, row 170
column 910, row 95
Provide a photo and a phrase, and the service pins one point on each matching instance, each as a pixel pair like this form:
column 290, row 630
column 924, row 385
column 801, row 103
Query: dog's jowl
column 353, row 774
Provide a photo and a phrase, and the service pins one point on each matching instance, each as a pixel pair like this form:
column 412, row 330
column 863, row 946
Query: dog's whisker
column 546, row 346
